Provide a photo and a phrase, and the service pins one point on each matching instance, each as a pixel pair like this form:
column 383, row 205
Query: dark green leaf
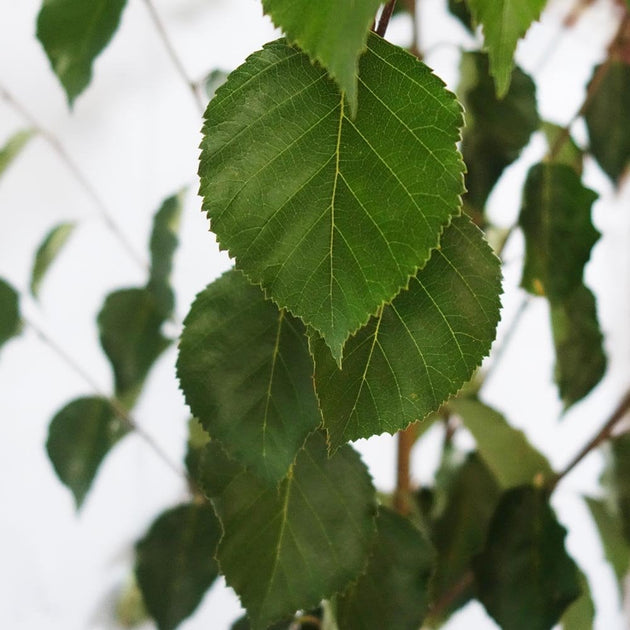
column 331, row 215
column 12, row 148
column 286, row 548
column 393, row 592
column 563, row 147
column 175, row 562
column 608, row 119
column 580, row 615
column 504, row 22
column 496, row 129
column 246, row 373
column 47, row 252
column 460, row 531
column 505, row 450
column 73, row 33
column 129, row 325
column 10, row 320
column 616, row 549
column 420, row 349
column 163, row 244
column 525, row 578
column 616, row 480
column 79, row 437
column 243, row 624
column 460, row 10
column 197, row 441
column 213, row 81
column 333, row 33
column 216, row 470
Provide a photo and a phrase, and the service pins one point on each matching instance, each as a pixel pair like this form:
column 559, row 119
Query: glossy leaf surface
column 285, row 548
column 10, row 320
column 332, row 216
column 246, row 373
column 333, row 33
column 73, row 33
column 175, row 562
column 504, row 22
column 46, row 253
column 79, row 437
column 394, row 590
column 505, row 450
column 420, row 349
column 12, row 148
column 524, row 576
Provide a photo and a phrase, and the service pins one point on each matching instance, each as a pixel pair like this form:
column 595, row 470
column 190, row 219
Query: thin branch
column 383, row 22
column 604, row 434
column 76, row 172
column 451, row 595
column 406, row 440
column 177, row 62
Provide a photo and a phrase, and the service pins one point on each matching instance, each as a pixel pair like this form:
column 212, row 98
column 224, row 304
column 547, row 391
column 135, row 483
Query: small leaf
column 213, row 81
column 496, row 129
column 47, row 252
column 79, row 437
column 73, row 33
column 616, row 548
column 568, row 153
column 420, row 349
column 13, row 147
column 580, row 615
column 393, row 592
column 130, row 610
column 524, row 576
column 504, row 22
column 608, row 119
column 333, row 33
column 246, row 373
column 332, row 216
column 129, row 325
column 286, row 548
column 10, row 320
column 175, row 562
column 504, row 449
column 163, row 244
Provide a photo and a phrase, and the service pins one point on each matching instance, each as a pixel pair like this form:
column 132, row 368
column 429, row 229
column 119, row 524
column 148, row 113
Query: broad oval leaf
column 286, row 548
column 504, row 22
column 420, row 349
column 608, row 119
column 525, row 579
column 246, row 373
column 130, row 324
column 175, row 562
column 79, row 437
column 505, row 450
column 580, row 615
column 394, row 590
column 331, row 32
column 12, row 148
column 73, row 33
column 332, row 216
column 46, row 253
column 10, row 320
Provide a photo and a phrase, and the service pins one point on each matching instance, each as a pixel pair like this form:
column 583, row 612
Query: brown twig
column 386, row 15
column 406, row 440
column 451, row 595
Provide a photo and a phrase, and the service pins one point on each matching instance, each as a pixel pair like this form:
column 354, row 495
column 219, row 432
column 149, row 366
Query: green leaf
column 496, row 129
column 175, row 562
column 47, row 252
column 213, row 81
column 130, row 610
column 616, row 480
column 580, row 615
column 459, row 533
column 246, row 373
column 197, row 441
column 79, row 437
column 13, row 147
column 525, row 579
column 73, row 33
column 608, row 119
column 420, row 349
column 393, row 592
column 332, row 216
column 616, row 548
column 286, row 548
column 504, row 22
column 243, row 624
column 216, row 470
column 129, row 325
column 163, row 244
column 10, row 320
column 568, row 152
column 505, row 450
column 333, row 33
column 460, row 10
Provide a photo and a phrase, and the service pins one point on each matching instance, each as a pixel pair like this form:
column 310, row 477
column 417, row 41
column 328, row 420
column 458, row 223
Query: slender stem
column 76, row 172
column 604, row 434
column 448, row 599
column 177, row 62
column 406, row 441
column 412, row 8
column 388, row 9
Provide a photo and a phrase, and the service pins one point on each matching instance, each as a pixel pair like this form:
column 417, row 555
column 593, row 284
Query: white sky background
column 134, row 133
